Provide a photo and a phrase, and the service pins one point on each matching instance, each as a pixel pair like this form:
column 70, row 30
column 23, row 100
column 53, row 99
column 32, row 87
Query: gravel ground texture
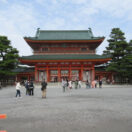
column 107, row 109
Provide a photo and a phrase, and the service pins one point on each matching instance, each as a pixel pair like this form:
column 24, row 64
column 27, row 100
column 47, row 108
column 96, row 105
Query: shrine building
column 61, row 54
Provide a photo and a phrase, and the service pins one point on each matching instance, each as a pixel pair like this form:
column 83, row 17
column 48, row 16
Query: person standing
column 67, row 83
column 87, row 84
column 79, row 84
column 43, row 88
column 76, row 84
column 93, row 84
column 31, row 87
column 100, row 83
column 63, row 84
column 70, row 84
column 18, row 86
column 26, row 86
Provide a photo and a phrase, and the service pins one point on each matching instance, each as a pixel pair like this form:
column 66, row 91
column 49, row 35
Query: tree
column 119, row 50
column 127, row 62
column 8, row 57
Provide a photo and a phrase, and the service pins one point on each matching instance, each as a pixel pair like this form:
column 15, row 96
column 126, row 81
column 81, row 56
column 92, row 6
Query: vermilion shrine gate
column 63, row 53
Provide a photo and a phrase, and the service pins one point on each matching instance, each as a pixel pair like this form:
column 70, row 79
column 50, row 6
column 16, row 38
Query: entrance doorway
column 54, row 78
column 87, row 76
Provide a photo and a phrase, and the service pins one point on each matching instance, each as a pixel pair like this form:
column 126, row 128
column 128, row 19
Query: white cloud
column 18, row 42
column 116, row 8
column 56, row 23
column 4, row 1
column 16, row 22
column 21, row 18
column 78, row 1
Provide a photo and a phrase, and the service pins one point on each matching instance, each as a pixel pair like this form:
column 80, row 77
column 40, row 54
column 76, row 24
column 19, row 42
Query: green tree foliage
column 121, row 54
column 127, row 61
column 8, row 57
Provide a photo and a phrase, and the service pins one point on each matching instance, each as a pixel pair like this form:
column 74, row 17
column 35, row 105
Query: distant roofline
column 89, row 29
column 69, row 39
column 66, row 57
column 64, row 35
column 64, row 30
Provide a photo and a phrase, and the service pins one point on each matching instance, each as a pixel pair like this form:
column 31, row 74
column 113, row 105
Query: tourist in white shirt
column 18, row 86
column 70, row 84
column 79, row 84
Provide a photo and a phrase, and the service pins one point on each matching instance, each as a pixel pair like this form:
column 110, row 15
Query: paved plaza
column 83, row 110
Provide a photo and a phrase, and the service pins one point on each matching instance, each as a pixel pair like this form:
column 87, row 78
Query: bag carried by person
column 42, row 89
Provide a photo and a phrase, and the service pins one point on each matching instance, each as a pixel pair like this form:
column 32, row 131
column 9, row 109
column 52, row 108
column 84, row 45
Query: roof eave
column 29, row 40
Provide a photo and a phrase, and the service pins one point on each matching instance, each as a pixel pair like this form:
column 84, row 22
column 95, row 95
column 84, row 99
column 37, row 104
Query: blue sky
column 22, row 18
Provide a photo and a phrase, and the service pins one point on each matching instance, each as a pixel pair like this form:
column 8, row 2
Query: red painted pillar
column 35, row 73
column 81, row 73
column 93, row 73
column 38, row 75
column 59, row 73
column 47, row 72
column 69, row 71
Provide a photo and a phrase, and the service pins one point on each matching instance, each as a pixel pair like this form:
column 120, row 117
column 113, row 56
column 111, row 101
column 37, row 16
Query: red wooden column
column 69, row 71
column 38, row 74
column 93, row 72
column 35, row 73
column 81, row 73
column 47, row 71
column 59, row 73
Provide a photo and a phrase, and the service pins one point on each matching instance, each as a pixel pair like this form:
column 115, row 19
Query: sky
column 20, row 18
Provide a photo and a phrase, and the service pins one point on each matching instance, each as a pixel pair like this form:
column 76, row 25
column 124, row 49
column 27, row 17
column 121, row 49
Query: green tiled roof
column 23, row 69
column 63, row 57
column 64, row 35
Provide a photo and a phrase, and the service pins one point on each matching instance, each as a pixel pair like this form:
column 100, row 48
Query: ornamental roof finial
column 37, row 33
column 90, row 32
column 90, row 29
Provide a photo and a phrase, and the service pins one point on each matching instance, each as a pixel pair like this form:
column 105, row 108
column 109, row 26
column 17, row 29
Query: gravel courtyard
column 83, row 110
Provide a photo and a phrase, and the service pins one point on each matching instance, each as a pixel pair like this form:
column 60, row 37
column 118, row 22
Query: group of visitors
column 77, row 84
column 94, row 84
column 69, row 84
column 29, row 86
column 65, row 85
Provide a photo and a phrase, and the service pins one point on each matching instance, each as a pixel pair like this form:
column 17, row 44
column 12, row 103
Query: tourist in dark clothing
column 67, row 83
column 43, row 88
column 76, row 84
column 31, row 88
column 64, row 84
column 100, row 83
column 26, row 86
column 87, row 84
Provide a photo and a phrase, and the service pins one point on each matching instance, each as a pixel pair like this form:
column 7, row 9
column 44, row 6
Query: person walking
column 18, row 86
column 43, row 88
